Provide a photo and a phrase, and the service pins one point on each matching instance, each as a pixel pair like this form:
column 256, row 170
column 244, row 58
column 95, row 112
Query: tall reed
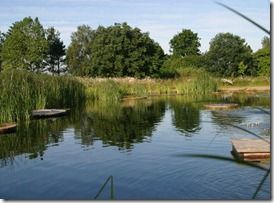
column 21, row 92
column 113, row 89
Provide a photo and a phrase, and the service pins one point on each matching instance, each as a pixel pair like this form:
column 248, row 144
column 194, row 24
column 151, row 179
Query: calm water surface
column 144, row 145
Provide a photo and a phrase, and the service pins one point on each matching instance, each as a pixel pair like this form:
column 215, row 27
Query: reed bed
column 103, row 89
column 22, row 92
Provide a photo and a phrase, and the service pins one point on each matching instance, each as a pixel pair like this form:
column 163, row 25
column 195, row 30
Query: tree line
column 120, row 50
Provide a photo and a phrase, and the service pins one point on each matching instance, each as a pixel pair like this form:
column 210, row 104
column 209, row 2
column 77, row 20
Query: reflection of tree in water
column 252, row 99
column 186, row 116
column 224, row 117
column 121, row 125
column 31, row 139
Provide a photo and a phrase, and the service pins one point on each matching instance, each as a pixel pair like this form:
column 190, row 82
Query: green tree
column 56, row 52
column 225, row 54
column 120, row 50
column 266, row 42
column 25, row 45
column 117, row 50
column 79, row 51
column 262, row 58
column 185, row 43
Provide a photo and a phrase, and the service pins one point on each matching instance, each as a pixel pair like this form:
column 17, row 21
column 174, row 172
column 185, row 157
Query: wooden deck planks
column 7, row 127
column 44, row 113
column 221, row 106
column 250, row 149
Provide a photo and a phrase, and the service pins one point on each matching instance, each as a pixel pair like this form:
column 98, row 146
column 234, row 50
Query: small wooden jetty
column 250, row 149
column 7, row 127
column 221, row 106
column 132, row 98
column 47, row 113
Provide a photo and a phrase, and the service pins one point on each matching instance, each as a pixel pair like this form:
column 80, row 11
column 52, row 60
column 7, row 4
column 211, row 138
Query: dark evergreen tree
column 56, row 52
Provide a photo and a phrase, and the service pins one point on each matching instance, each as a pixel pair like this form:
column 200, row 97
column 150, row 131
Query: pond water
column 147, row 146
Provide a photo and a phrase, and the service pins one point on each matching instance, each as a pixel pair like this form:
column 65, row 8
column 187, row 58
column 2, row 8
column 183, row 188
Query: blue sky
column 161, row 18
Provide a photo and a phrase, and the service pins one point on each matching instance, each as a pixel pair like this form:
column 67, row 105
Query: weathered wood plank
column 7, row 127
column 250, row 145
column 221, row 106
column 250, row 149
column 43, row 113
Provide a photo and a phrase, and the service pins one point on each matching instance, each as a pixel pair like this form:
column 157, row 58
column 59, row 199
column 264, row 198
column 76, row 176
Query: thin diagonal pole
column 245, row 17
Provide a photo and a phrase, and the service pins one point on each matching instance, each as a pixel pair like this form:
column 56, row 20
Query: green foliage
column 22, row 92
column 196, row 82
column 25, row 46
column 174, row 64
column 79, row 51
column 262, row 61
column 117, row 50
column 242, row 68
column 178, row 62
column 168, row 72
column 190, row 82
column 106, row 91
column 185, row 43
column 56, row 52
column 266, row 42
column 225, row 54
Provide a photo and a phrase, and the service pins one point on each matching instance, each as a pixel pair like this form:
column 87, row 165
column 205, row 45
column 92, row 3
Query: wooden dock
column 126, row 98
column 250, row 149
column 221, row 106
column 7, row 127
column 47, row 113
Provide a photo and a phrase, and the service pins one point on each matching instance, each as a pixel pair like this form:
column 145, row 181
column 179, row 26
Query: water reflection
column 31, row 139
column 186, row 116
column 118, row 124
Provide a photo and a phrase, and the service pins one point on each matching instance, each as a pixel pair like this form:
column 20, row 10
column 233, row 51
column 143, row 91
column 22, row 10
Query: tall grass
column 197, row 82
column 21, row 92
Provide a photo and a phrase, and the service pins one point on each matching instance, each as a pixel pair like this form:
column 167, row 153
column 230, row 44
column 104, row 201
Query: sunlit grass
column 198, row 82
column 22, row 92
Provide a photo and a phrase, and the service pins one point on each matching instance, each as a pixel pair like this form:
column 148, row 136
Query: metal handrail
column 110, row 178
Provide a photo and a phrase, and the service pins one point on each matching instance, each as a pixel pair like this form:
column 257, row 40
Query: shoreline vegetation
column 24, row 91
column 103, row 89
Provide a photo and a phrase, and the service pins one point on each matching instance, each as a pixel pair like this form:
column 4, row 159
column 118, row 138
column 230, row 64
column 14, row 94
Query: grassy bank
column 22, row 92
column 246, row 82
column 197, row 82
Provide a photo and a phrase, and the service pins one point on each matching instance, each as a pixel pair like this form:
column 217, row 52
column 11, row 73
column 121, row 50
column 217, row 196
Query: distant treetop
column 185, row 43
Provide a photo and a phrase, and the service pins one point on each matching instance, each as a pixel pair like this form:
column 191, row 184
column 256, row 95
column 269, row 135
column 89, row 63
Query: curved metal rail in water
column 110, row 178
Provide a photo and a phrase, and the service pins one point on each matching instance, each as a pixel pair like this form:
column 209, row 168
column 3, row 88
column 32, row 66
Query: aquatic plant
column 22, row 92
column 104, row 89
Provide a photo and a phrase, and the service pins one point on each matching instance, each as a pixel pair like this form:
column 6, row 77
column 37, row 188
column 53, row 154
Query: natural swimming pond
column 150, row 147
